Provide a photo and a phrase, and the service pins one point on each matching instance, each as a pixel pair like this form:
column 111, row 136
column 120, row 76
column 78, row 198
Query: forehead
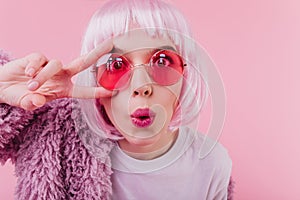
column 139, row 39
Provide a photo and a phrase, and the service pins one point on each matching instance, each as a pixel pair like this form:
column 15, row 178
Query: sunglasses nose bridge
column 140, row 77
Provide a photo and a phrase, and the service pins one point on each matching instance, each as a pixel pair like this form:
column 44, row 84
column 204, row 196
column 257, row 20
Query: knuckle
column 37, row 57
column 40, row 79
column 56, row 62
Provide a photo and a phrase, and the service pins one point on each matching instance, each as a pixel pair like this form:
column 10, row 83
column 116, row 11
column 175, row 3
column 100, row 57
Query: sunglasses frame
column 149, row 68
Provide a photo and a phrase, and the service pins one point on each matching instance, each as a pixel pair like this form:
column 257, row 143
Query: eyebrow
column 166, row 47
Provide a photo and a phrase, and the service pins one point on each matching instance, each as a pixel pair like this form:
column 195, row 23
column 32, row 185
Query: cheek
column 168, row 98
column 173, row 94
column 116, row 107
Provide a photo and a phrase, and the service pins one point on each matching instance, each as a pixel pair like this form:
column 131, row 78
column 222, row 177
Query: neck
column 151, row 151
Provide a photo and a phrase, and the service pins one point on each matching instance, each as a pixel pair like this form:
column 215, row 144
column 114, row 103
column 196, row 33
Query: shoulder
column 211, row 154
column 212, row 158
column 215, row 153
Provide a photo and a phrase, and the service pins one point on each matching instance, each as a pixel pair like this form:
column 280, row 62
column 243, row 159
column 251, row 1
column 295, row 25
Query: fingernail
column 33, row 85
column 30, row 71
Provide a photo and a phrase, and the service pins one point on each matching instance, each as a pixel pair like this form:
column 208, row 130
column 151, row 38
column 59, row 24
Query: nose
column 141, row 83
column 145, row 91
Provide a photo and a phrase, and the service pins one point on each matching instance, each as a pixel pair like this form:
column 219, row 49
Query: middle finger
column 51, row 68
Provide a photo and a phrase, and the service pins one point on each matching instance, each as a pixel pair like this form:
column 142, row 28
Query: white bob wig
column 158, row 19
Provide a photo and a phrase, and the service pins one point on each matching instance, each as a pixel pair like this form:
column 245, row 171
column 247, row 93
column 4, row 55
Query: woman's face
column 142, row 109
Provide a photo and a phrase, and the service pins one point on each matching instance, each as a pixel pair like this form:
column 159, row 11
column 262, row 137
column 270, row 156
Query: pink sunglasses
column 165, row 68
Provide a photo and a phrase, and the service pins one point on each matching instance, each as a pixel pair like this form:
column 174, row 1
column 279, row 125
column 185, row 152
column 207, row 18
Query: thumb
column 32, row 101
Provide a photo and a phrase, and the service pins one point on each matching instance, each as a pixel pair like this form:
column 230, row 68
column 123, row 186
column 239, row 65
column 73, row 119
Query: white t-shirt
column 179, row 174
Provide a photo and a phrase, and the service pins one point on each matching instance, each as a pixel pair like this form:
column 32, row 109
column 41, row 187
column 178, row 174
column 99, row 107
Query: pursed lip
column 142, row 117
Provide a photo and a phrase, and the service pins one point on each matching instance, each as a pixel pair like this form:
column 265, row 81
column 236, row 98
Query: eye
column 115, row 64
column 162, row 60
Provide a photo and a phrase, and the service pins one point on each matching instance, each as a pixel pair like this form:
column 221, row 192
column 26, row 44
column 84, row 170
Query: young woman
column 127, row 137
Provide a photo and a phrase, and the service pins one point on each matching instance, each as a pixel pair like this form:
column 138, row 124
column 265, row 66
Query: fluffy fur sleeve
column 52, row 161
column 13, row 122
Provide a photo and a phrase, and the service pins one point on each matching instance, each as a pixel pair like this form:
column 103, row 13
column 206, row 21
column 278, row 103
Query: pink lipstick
column 142, row 118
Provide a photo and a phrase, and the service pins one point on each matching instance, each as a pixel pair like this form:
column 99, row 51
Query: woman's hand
column 32, row 81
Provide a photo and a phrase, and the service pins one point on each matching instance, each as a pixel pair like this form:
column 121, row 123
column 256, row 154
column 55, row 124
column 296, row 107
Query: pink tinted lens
column 114, row 73
column 166, row 67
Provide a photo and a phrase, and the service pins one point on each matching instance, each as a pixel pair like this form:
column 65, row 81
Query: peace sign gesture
column 32, row 81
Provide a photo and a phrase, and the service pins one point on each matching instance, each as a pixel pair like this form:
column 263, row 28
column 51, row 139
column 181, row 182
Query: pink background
column 256, row 45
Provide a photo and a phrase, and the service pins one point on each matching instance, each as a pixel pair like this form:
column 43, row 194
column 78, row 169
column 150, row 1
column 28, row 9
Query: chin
column 142, row 141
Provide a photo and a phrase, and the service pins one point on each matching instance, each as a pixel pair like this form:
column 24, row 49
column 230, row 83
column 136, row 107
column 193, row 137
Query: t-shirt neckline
column 122, row 162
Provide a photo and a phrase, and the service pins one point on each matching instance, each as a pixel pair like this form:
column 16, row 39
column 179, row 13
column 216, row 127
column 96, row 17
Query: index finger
column 88, row 59
column 85, row 92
